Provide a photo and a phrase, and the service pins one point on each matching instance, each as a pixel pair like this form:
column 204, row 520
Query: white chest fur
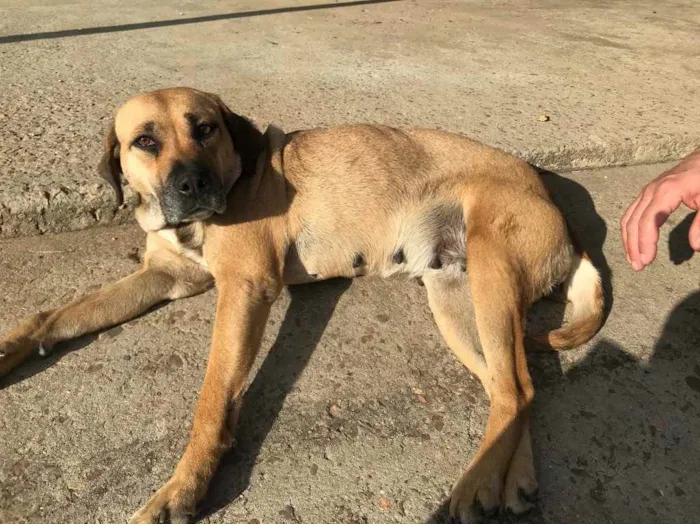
column 188, row 241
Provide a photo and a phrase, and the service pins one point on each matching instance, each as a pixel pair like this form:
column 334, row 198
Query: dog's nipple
column 435, row 263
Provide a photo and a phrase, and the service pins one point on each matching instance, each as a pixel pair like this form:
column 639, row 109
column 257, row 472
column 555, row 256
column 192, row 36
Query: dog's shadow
column 307, row 316
column 36, row 364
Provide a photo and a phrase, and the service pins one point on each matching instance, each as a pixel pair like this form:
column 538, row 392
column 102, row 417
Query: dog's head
column 181, row 150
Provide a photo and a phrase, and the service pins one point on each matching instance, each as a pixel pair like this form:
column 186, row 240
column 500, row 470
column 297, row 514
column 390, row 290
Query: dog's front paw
column 477, row 493
column 17, row 345
column 13, row 352
column 171, row 504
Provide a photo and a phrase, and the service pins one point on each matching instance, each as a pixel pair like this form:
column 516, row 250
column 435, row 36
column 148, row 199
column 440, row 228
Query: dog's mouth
column 204, row 210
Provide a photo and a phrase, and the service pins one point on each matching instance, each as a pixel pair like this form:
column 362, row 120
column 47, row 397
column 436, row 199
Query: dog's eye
column 204, row 130
column 145, row 142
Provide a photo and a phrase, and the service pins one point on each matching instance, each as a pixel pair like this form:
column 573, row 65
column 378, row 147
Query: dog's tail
column 584, row 290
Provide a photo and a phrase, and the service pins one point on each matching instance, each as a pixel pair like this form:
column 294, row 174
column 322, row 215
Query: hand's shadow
column 306, row 319
column 678, row 247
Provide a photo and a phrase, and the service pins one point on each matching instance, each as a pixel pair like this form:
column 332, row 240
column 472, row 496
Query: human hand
column 657, row 200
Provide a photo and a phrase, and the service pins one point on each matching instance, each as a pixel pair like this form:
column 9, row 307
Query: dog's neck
column 255, row 151
column 188, row 238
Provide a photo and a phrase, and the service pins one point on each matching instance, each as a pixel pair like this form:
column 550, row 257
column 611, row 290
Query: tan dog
column 223, row 203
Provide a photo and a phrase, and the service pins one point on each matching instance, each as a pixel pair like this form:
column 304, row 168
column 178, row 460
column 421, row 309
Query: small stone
column 175, row 361
column 334, row 410
column 93, row 368
column 112, row 333
column 133, row 255
column 384, row 503
column 351, row 430
column 37, row 131
column 543, row 118
column 383, row 318
column 314, row 469
column 598, row 492
column 289, row 512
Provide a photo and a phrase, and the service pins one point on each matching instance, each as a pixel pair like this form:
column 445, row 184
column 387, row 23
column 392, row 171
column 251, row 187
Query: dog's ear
column 110, row 167
column 247, row 139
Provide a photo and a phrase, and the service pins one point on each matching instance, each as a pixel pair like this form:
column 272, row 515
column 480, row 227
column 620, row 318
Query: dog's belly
column 429, row 237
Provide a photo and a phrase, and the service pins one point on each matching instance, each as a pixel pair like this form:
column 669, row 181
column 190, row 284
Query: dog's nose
column 192, row 184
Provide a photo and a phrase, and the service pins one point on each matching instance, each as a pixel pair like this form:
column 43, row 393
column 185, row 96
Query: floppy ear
column 247, row 140
column 110, row 167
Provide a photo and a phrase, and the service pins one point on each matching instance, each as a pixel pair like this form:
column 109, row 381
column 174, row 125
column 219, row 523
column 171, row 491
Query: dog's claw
column 530, row 497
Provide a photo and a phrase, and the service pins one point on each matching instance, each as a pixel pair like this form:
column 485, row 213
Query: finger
column 664, row 202
column 694, row 233
column 633, row 228
column 623, row 225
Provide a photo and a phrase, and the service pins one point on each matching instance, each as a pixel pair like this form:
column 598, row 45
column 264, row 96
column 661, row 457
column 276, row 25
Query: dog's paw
column 13, row 352
column 477, row 494
column 171, row 504
column 520, row 492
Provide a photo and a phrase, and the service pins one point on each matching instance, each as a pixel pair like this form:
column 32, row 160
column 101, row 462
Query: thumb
column 694, row 233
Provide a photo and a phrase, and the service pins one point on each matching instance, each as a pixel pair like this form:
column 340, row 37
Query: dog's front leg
column 242, row 311
column 164, row 276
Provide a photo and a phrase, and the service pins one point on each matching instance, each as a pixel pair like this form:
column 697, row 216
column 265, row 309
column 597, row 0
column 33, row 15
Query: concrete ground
column 617, row 83
column 87, row 433
column 358, row 412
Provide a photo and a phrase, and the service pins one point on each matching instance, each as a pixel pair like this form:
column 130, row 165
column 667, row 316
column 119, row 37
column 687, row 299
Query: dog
column 222, row 203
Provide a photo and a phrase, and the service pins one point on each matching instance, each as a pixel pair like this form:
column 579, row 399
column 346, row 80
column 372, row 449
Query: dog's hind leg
column 498, row 311
column 451, row 302
column 164, row 276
